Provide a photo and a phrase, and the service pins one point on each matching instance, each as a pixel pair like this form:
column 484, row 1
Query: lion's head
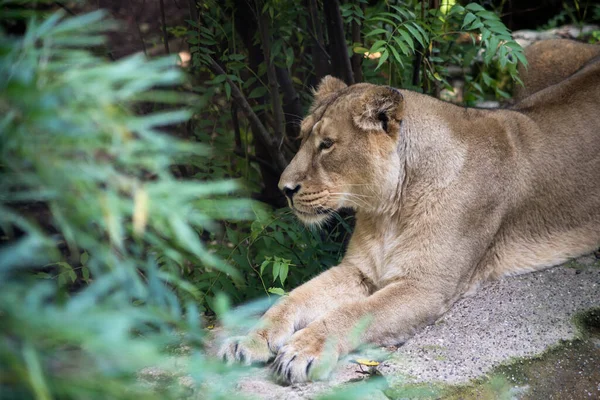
column 350, row 155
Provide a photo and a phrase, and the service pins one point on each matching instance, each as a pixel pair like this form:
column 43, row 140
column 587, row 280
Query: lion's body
column 446, row 198
column 550, row 62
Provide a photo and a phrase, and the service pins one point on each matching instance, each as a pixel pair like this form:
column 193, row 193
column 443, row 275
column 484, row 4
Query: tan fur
column 446, row 199
column 551, row 61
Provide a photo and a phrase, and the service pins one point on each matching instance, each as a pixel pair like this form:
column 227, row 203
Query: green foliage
column 274, row 253
column 96, row 228
column 352, row 12
column 453, row 35
column 574, row 12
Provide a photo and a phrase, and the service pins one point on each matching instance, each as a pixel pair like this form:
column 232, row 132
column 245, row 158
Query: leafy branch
column 266, row 138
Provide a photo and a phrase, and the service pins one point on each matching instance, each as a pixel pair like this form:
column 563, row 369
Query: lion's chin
column 313, row 218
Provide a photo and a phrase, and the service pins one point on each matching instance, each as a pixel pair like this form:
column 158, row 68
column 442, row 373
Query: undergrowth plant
column 96, row 229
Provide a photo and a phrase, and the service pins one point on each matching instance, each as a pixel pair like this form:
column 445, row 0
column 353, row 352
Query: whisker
column 351, row 194
column 356, row 202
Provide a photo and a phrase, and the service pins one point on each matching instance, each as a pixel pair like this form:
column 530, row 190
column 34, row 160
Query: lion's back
column 557, row 214
column 550, row 62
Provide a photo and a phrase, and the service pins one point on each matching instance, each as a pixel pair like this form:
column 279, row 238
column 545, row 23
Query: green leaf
column 258, row 91
column 377, row 31
column 283, row 272
column 407, row 38
column 456, row 9
column 180, row 283
column 279, row 236
column 396, row 55
column 416, row 34
column 264, row 265
column 276, row 269
column 81, row 21
column 485, row 35
column 487, row 79
column 221, row 305
column 469, row 18
column 383, row 19
column 276, row 49
column 277, row 291
column 477, row 25
column 487, row 15
column 477, row 86
column 391, row 15
column 218, row 79
column 289, row 57
column 491, row 49
column 474, row 7
column 406, row 14
column 227, row 91
column 502, row 93
column 83, row 259
column 402, row 46
column 377, row 46
column 384, row 56
column 232, row 235
column 521, row 57
column 502, row 56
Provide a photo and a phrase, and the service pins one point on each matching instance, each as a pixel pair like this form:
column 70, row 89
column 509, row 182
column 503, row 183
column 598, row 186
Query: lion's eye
column 325, row 144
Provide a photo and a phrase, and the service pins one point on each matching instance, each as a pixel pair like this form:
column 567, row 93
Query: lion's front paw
column 247, row 350
column 307, row 356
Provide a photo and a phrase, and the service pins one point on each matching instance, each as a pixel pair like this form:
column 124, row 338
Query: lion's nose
column 289, row 191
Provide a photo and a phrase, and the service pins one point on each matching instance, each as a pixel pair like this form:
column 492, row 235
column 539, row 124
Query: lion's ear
column 379, row 108
column 327, row 86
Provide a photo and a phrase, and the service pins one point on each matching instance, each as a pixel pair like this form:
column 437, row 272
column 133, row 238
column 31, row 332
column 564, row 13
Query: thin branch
column 236, row 126
column 356, row 58
column 319, row 45
column 251, row 158
column 321, row 57
column 67, row 9
column 137, row 25
column 262, row 133
column 164, row 26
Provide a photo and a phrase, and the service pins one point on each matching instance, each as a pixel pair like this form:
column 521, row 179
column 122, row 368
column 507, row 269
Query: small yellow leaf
column 368, row 363
column 140, row 211
column 210, row 327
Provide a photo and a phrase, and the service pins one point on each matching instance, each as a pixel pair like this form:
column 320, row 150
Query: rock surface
column 527, row 37
column 515, row 317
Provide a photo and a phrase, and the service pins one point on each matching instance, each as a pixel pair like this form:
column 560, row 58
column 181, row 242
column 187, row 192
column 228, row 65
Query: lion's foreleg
column 333, row 288
column 389, row 316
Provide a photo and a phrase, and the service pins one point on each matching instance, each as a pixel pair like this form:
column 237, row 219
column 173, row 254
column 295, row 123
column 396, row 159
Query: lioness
column 446, row 198
column 551, row 61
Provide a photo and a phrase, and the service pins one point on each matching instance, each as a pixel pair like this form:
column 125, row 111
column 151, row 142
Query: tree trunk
column 246, row 26
column 337, row 41
column 319, row 54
